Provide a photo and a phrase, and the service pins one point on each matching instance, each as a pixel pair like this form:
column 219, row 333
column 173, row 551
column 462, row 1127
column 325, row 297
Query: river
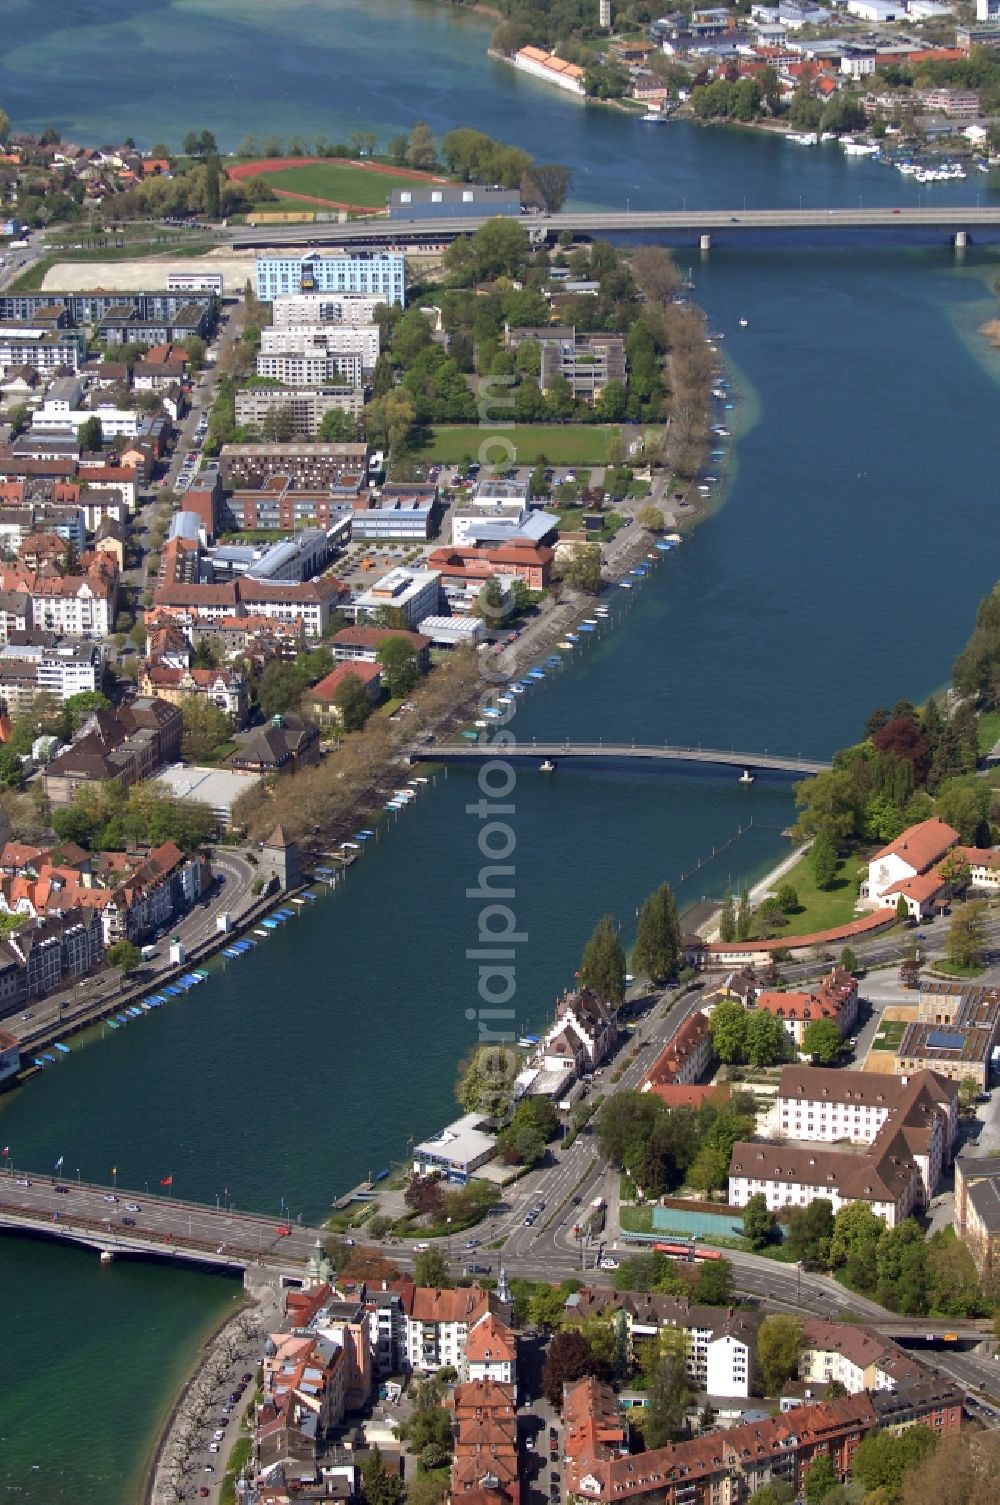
column 859, row 529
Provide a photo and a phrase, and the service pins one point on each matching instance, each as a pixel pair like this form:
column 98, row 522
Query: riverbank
column 227, row 1349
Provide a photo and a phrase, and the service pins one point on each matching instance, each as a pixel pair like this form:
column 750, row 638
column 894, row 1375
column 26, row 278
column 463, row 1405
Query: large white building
column 73, row 606
column 437, row 1325
column 407, row 595
column 907, row 869
column 116, row 423
column 858, row 1357
column 308, row 405
column 326, row 308
column 316, row 369
column 323, row 339
column 720, row 1344
column 367, row 272
column 908, row 1125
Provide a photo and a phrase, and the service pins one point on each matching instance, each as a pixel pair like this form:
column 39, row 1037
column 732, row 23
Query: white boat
column 744, row 323
column 858, row 148
column 654, row 117
column 547, row 767
column 828, row 136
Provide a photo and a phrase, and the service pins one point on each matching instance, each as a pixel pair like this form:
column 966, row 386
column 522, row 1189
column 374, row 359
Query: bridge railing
column 113, row 1234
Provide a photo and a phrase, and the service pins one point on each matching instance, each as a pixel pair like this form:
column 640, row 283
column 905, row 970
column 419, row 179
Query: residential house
column 321, row 700
column 684, row 1060
column 361, row 644
column 907, row 869
column 835, row 997
column 130, row 744
column 225, row 688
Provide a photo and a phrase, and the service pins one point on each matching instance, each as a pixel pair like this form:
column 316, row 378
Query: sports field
column 560, row 443
column 357, row 185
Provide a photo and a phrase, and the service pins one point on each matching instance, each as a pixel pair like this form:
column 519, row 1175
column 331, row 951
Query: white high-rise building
column 368, row 272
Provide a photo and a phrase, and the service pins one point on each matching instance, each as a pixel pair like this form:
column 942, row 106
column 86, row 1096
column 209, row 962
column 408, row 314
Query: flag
column 167, row 1181
column 6, row 1150
column 59, row 1163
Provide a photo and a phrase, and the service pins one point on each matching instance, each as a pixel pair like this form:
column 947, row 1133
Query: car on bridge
column 283, row 1230
column 132, row 1207
column 128, row 1222
column 63, row 1189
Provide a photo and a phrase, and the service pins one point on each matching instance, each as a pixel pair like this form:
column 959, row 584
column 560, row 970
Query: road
column 230, row 893
column 696, row 222
column 220, row 1235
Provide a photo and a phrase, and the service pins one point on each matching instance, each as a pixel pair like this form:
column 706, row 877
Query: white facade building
column 323, row 339
column 413, row 594
column 368, row 272
column 317, row 369
column 72, row 607
column 116, row 423
column 326, row 308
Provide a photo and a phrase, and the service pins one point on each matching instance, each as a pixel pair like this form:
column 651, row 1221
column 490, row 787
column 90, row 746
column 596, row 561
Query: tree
column 190, row 144
column 715, row 1285
column 337, row 427
column 425, row 1195
column 787, row 898
column 967, row 935
column 486, row 1083
column 953, row 1282
column 667, row 1396
column 727, row 919
column 380, row 1486
column 779, row 1340
column 397, row 149
column 11, row 769
column 901, row 1269
column 569, row 1358
column 775, row 1493
column 650, row 518
column 583, row 568
column 854, row 1242
column 883, row 1458
column 744, row 919
column 124, row 956
column 4, row 127
column 709, row 1170
column 728, row 1025
column 213, row 190
column 766, row 1038
column 280, row 688
column 848, row 960
column 820, row 1478
column 822, row 1040
column 758, row 1222
column 962, row 1470
column 91, row 434
column 353, row 703
column 602, row 966
column 431, row 1269
column 421, row 148
column 657, row 950
column 546, row 184
column 400, row 666
column 810, row 1231
column 206, row 727
column 823, row 860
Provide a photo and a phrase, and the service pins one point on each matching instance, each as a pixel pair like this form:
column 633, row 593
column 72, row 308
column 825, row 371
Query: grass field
column 821, row 908
column 559, row 443
column 890, row 1032
column 987, row 730
column 339, row 184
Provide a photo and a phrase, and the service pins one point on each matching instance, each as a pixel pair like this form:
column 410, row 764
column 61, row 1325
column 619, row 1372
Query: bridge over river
column 656, row 752
column 960, row 223
column 96, row 1216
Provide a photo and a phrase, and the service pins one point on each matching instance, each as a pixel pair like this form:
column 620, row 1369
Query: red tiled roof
column 328, row 686
column 922, row 845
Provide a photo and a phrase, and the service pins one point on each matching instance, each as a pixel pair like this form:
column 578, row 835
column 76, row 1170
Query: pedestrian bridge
column 749, row 763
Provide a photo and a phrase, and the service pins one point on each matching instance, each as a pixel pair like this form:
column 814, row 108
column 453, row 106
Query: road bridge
column 749, row 763
column 119, row 1222
column 960, row 223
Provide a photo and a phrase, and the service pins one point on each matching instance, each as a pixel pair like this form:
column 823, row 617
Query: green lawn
column 890, row 1033
column 559, row 443
column 343, row 185
column 957, row 969
column 821, row 908
column 987, row 730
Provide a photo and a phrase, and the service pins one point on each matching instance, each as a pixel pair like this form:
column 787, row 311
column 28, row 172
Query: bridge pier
column 704, row 242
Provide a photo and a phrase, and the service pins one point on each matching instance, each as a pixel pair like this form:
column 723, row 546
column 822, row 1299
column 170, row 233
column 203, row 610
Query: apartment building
column 374, row 272
column 858, row 1357
column 835, row 997
column 720, row 1344
column 587, row 361
column 720, row 1467
column 90, row 307
column 38, row 664
column 326, row 308
column 395, row 512
column 41, row 348
column 582, row 1034
column 48, row 953
column 73, row 605
column 977, row 1209
column 323, row 339
column 313, row 368
column 361, row 644
column 224, row 688
column 437, row 1325
column 683, row 1061
column 304, row 466
column 129, row 744
column 308, row 406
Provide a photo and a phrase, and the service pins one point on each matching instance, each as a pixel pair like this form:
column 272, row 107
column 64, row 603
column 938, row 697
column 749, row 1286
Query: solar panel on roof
column 944, row 1039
